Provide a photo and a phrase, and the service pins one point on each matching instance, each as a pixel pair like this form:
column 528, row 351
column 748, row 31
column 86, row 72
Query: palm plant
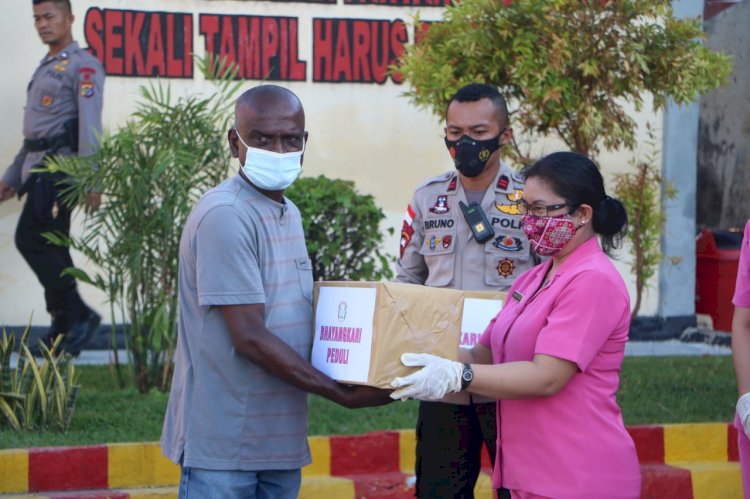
column 151, row 172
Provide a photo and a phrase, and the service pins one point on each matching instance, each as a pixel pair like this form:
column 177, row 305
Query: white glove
column 743, row 409
column 438, row 377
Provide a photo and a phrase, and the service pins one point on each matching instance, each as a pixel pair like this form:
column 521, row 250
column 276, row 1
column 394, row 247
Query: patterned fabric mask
column 548, row 235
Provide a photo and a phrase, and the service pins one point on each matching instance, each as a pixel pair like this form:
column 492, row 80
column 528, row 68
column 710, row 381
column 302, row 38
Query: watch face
column 466, row 376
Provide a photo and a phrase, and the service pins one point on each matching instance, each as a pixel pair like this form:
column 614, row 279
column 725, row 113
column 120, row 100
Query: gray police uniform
column 64, row 88
column 438, row 249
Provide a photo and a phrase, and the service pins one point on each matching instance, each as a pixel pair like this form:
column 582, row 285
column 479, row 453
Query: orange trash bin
column 717, row 263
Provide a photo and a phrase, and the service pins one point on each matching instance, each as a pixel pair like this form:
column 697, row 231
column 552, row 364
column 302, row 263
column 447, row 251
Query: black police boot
column 47, row 340
column 59, row 327
column 83, row 323
column 80, row 332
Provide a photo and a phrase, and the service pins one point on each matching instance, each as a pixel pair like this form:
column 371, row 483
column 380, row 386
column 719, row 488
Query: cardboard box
column 362, row 328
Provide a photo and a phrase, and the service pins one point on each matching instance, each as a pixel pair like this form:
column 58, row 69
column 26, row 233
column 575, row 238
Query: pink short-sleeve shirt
column 573, row 444
column 742, row 289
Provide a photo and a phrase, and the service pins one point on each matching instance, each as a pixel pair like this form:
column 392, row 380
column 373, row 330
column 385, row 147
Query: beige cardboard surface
column 409, row 318
column 413, row 318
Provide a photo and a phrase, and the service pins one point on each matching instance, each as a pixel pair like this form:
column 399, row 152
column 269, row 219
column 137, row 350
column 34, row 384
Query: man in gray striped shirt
column 237, row 415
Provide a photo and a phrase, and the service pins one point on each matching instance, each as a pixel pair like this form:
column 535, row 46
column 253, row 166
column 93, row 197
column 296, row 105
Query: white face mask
column 269, row 170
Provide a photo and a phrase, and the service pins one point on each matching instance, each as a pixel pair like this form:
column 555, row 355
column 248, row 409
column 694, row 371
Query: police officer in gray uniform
column 462, row 230
column 63, row 115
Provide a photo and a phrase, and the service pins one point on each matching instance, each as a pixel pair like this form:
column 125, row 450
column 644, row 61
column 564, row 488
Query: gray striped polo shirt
column 225, row 412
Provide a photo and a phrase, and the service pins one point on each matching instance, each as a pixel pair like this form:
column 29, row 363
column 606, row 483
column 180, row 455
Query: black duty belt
column 47, row 143
column 68, row 138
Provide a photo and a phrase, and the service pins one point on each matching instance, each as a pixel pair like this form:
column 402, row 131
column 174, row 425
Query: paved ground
column 696, row 460
column 674, row 347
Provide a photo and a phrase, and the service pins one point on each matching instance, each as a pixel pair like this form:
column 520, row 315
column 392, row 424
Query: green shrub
column 568, row 66
column 36, row 397
column 342, row 230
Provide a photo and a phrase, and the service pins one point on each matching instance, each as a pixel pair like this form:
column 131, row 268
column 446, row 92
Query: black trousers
column 449, row 445
column 44, row 212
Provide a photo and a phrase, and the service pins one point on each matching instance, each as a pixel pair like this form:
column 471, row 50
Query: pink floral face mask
column 548, row 235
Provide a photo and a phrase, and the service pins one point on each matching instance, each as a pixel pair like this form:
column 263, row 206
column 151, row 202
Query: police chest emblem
column 508, row 243
column 505, row 267
column 510, row 209
column 441, row 205
column 47, row 100
column 61, row 66
column 435, row 241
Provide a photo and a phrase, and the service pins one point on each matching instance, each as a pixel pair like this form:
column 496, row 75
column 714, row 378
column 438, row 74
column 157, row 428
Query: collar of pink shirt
column 581, row 253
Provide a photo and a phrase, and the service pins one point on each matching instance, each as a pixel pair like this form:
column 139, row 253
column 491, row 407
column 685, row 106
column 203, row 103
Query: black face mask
column 471, row 155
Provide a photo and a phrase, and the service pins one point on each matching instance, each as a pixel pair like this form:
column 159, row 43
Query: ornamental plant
column 36, row 396
column 342, row 230
column 643, row 192
column 568, row 67
column 151, row 173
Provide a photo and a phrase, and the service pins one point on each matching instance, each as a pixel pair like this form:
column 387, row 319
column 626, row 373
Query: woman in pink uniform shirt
column 552, row 356
column 741, row 355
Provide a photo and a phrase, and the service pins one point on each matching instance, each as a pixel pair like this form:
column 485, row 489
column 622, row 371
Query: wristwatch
column 466, row 376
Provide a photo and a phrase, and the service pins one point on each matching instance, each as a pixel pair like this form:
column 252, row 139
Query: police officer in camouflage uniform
column 440, row 249
column 63, row 115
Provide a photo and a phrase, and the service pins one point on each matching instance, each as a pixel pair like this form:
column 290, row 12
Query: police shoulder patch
column 87, row 72
column 407, row 231
column 87, row 89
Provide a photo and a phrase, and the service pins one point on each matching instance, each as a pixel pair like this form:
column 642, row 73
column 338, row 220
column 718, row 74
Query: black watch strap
column 466, row 376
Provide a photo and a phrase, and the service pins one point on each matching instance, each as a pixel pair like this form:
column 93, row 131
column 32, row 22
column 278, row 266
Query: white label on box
column 478, row 312
column 342, row 346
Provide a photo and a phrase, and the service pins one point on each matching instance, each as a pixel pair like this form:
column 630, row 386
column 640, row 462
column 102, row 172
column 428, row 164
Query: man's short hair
column 474, row 92
column 64, row 4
